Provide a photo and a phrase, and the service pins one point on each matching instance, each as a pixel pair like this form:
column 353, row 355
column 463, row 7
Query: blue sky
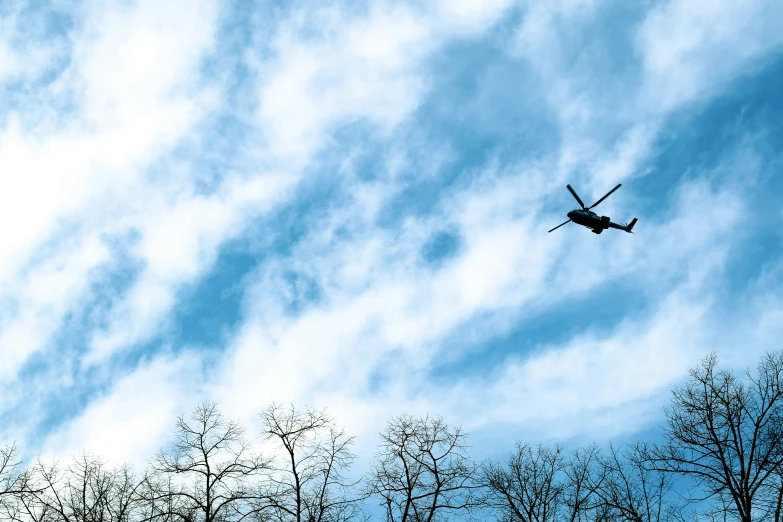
column 346, row 206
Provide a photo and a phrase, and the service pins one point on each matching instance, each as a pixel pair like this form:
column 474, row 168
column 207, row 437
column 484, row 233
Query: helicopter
column 592, row 220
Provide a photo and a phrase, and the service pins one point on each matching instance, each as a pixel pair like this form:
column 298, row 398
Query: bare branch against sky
column 726, row 431
column 210, row 472
column 309, row 480
column 423, row 472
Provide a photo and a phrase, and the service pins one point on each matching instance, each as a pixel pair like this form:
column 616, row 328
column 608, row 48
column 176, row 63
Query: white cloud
column 75, row 181
column 334, row 66
column 9, row 61
column 630, row 152
column 133, row 70
column 39, row 301
column 128, row 423
column 138, row 60
column 361, row 67
column 367, row 345
column 179, row 241
column 24, row 53
column 356, row 68
column 471, row 17
column 683, row 52
column 385, row 317
column 691, row 49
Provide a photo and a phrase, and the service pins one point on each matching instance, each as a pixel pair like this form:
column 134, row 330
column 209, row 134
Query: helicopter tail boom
column 630, row 225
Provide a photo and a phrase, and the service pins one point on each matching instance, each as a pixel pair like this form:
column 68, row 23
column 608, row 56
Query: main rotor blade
column 577, row 197
column 606, row 196
column 560, row 225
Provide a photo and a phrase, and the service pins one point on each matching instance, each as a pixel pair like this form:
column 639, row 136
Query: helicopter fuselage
column 592, row 220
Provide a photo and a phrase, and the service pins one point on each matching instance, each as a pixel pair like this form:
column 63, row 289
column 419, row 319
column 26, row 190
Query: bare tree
column 582, row 481
column 14, row 481
column 530, row 487
column 422, row 471
column 309, row 481
column 542, row 485
column 85, row 491
column 161, row 503
column 631, row 491
column 125, row 495
column 207, row 474
column 726, row 433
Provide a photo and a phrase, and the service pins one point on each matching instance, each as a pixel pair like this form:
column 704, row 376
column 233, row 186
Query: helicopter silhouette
column 592, row 220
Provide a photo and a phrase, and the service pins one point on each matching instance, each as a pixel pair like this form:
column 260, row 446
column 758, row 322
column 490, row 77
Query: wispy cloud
column 388, row 174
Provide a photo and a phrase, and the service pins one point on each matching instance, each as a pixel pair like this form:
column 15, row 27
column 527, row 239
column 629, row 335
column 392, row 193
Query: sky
column 345, row 205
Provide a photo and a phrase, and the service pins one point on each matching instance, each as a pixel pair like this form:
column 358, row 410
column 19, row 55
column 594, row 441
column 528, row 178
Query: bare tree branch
column 726, row 433
column 422, row 471
column 542, row 485
column 309, row 480
column 631, row 491
column 207, row 474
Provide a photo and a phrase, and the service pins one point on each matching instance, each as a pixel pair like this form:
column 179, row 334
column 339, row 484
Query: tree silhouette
column 726, row 433
column 84, row 491
column 422, row 472
column 14, row 482
column 631, row 491
column 309, row 480
column 542, row 485
column 208, row 474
